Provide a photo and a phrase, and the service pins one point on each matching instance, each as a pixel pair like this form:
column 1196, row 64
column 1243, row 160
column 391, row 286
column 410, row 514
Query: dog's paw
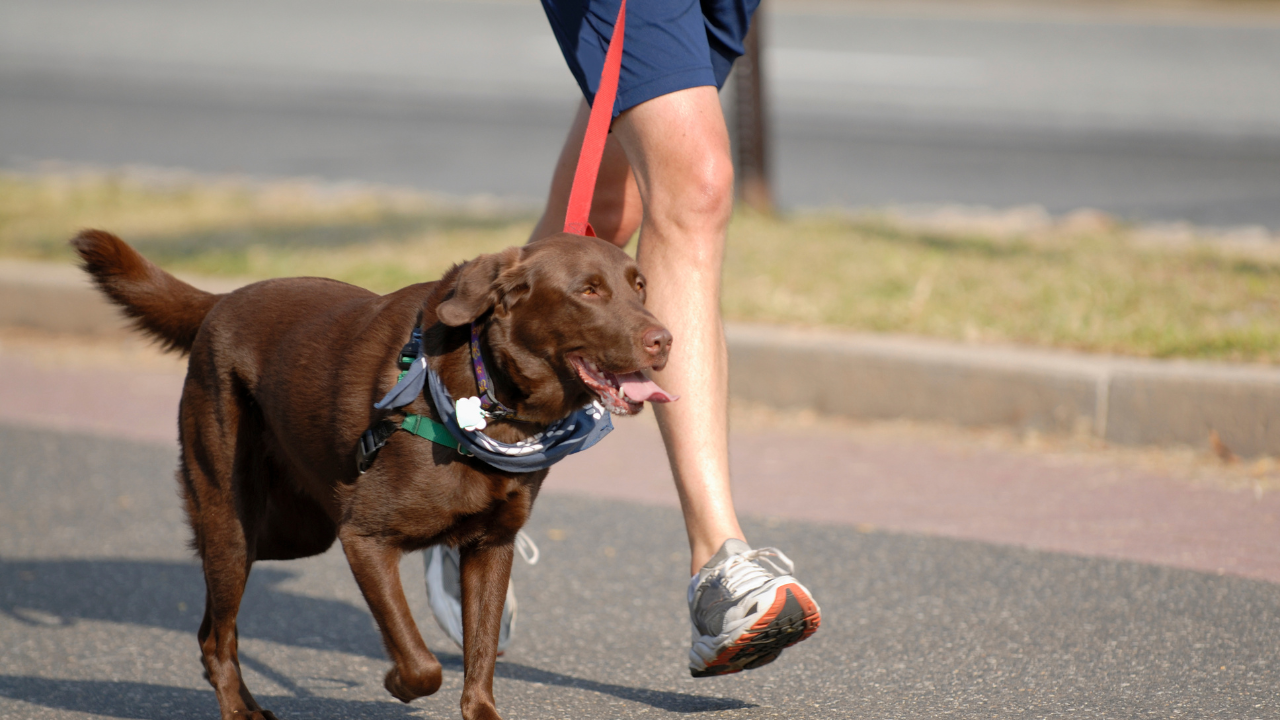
column 480, row 711
column 254, row 715
column 407, row 688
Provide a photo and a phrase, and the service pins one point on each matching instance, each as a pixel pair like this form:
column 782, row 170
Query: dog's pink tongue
column 639, row 388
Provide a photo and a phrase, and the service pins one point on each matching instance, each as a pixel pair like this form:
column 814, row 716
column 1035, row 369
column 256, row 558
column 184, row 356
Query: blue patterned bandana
column 575, row 433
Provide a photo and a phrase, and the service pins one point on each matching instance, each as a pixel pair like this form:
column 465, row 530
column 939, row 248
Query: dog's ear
column 489, row 282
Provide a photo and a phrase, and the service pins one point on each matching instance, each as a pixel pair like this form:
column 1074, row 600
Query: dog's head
column 568, row 323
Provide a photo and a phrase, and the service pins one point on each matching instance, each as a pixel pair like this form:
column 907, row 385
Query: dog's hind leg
column 219, row 645
column 375, row 562
column 237, row 697
column 219, row 473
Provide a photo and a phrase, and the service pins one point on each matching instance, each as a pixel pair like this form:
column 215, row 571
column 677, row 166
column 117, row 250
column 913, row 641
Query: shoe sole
column 793, row 617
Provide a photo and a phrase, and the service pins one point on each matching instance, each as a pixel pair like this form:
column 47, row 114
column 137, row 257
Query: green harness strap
column 425, row 427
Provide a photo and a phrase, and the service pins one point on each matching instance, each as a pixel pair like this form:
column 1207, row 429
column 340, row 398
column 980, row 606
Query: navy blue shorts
column 670, row 44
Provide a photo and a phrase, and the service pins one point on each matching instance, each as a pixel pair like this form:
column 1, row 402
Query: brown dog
column 281, row 383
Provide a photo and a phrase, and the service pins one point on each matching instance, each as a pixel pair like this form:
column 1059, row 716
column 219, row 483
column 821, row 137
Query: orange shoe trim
column 812, row 619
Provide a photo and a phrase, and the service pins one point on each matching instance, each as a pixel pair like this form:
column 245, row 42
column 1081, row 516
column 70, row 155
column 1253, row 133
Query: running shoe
column 444, row 590
column 745, row 609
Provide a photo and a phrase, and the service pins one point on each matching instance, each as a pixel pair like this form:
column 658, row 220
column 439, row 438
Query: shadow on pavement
column 660, row 699
column 145, row 701
column 170, row 595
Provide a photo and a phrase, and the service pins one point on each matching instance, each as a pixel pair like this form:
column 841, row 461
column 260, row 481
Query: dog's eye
column 590, row 291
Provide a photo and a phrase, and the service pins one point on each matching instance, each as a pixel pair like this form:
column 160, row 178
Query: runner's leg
column 686, row 181
column 745, row 607
column 678, row 147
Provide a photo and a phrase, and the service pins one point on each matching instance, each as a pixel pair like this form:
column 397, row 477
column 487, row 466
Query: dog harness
column 465, row 418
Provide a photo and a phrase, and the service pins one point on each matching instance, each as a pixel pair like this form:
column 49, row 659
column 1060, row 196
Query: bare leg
column 679, row 148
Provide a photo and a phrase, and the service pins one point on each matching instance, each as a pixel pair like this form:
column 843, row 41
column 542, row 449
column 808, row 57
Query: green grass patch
column 1100, row 289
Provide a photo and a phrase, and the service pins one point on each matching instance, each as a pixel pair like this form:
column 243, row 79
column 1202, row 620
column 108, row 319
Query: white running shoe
column 745, row 609
column 444, row 590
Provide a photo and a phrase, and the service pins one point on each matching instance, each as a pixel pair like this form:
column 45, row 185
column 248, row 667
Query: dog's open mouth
column 620, row 393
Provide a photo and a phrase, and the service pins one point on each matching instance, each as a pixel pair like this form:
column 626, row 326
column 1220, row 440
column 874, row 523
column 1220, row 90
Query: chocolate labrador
column 281, row 386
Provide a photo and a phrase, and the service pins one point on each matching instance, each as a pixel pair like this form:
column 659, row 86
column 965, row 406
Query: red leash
column 577, row 216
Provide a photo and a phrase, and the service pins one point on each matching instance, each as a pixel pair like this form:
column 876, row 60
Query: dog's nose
column 657, row 341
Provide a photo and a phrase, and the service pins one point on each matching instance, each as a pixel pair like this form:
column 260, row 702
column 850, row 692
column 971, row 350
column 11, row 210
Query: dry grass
column 1093, row 286
column 1097, row 289
column 379, row 238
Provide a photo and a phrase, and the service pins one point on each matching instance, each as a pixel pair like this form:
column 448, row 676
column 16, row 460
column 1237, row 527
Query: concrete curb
column 1123, row 400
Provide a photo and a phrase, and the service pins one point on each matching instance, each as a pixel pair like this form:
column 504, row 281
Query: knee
column 703, row 200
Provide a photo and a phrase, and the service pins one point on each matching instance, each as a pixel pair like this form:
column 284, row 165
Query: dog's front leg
column 485, row 573
column 376, row 565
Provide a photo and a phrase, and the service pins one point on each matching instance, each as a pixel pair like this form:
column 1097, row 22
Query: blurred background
column 1084, row 176
column 1087, row 175
column 1150, row 111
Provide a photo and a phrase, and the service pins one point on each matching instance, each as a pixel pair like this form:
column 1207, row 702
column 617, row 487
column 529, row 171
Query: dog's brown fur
column 282, row 379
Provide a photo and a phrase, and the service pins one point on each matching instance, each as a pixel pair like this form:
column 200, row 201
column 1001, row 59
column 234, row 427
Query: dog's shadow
column 147, row 701
column 170, row 595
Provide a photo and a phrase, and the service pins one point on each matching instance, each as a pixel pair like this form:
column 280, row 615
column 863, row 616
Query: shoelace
column 527, row 548
column 745, row 571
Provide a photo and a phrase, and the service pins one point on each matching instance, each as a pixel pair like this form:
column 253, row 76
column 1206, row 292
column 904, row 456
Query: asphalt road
column 99, row 602
column 1153, row 119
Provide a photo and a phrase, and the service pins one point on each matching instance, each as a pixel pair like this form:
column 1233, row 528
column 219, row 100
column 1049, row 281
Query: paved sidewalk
column 872, row 476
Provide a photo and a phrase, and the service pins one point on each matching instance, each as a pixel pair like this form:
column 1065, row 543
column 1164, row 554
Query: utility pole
column 750, row 122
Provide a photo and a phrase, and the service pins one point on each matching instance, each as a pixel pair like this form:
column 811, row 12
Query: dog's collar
column 490, row 405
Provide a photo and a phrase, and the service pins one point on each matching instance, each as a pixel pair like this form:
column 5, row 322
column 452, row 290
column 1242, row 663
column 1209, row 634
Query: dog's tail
column 160, row 304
